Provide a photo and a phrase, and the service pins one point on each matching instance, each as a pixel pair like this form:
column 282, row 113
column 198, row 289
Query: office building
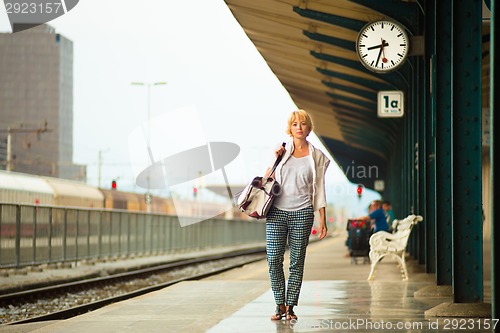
column 36, row 103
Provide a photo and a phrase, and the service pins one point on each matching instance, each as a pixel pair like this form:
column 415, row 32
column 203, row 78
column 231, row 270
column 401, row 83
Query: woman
column 301, row 175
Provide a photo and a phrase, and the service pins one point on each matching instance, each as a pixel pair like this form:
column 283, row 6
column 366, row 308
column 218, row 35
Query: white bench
column 383, row 243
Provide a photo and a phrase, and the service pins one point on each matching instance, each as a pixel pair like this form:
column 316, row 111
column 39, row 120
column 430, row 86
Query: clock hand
column 378, row 58
column 375, row 47
column 384, row 59
column 384, row 43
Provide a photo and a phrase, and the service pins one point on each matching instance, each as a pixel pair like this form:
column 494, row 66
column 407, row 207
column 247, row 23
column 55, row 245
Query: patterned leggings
column 296, row 226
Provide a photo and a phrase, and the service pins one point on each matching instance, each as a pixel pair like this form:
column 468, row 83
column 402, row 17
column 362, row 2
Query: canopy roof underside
column 310, row 46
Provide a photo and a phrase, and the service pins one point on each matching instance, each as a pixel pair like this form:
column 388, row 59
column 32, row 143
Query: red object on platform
column 357, row 224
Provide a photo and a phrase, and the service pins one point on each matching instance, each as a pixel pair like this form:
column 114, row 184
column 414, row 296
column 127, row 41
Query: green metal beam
column 370, row 84
column 340, row 21
column 412, row 155
column 444, row 141
column 370, row 143
column 397, row 80
column 352, row 159
column 403, row 11
column 363, row 127
column 362, row 103
column 340, row 61
column 430, row 196
column 342, row 43
column 494, row 202
column 361, row 92
column 371, row 119
column 379, row 142
column 403, row 174
column 393, row 123
column 422, row 75
column 467, row 152
column 361, row 112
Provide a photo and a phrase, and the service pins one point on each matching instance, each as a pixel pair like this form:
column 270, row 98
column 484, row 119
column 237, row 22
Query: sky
column 210, row 68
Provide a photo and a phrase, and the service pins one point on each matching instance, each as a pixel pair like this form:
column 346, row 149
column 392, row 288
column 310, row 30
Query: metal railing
column 35, row 234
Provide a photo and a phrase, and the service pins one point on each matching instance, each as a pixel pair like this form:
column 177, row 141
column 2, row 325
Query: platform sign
column 390, row 104
column 379, row 185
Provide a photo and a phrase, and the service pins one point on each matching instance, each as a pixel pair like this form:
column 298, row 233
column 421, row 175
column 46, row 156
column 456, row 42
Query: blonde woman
column 301, row 174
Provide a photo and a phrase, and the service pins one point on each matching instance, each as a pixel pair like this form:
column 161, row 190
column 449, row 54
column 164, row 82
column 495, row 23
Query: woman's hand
column 280, row 151
column 322, row 230
column 322, row 223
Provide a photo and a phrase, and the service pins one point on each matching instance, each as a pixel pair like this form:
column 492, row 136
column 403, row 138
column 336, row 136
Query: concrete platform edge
column 460, row 310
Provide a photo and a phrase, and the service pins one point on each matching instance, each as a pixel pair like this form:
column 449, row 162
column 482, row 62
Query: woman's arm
column 280, row 151
column 268, row 171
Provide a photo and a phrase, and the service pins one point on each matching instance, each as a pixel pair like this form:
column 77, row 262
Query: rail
column 36, row 234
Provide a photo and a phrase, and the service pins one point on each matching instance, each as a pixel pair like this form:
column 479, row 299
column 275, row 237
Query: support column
column 467, row 203
column 438, row 126
column 494, row 101
column 422, row 165
column 412, row 155
column 444, row 154
column 429, row 196
column 467, row 267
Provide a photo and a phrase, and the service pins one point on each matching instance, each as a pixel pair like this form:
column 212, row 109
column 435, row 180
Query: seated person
column 377, row 214
column 389, row 214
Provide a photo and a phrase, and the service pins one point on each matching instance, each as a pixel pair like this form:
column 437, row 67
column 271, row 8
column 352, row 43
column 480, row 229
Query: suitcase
column 359, row 237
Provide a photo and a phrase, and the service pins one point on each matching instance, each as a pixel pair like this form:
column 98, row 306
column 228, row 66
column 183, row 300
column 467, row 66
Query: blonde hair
column 302, row 116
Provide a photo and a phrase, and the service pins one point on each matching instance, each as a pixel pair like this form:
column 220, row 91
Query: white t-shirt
column 296, row 184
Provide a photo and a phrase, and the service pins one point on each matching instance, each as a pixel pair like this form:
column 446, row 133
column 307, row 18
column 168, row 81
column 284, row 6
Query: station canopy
column 310, row 47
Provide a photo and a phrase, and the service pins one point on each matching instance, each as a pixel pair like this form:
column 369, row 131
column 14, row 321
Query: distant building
column 36, row 103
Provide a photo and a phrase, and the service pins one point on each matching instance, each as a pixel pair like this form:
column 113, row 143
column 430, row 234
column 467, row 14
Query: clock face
column 382, row 46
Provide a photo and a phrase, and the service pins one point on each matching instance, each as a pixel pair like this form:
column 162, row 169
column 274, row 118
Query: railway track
column 66, row 300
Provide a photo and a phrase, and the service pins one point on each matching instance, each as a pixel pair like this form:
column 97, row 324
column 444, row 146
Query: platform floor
column 335, row 297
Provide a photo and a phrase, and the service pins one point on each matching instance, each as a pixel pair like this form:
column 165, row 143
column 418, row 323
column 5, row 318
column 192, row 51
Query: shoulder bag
column 257, row 197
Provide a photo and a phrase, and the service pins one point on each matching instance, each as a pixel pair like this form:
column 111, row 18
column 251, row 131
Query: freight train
column 21, row 188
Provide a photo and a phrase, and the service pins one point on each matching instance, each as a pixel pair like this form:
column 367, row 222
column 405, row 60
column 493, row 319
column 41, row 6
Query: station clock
column 382, row 46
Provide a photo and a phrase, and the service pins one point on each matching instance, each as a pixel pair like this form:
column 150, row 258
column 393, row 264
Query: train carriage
column 25, row 189
column 75, row 194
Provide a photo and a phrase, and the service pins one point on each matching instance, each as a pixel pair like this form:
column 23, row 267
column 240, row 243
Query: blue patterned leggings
column 296, row 226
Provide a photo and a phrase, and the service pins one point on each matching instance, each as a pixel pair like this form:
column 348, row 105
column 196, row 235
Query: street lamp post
column 99, row 166
column 148, row 85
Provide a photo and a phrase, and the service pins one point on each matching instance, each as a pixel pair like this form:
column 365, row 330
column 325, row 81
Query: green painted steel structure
column 448, row 158
column 494, row 101
column 467, row 187
column 444, row 154
column 430, row 124
column 430, row 159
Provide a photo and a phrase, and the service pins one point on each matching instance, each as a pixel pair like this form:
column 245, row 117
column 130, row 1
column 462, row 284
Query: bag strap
column 278, row 160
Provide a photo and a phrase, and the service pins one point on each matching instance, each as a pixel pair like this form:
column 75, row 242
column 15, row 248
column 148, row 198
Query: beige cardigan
column 319, row 164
